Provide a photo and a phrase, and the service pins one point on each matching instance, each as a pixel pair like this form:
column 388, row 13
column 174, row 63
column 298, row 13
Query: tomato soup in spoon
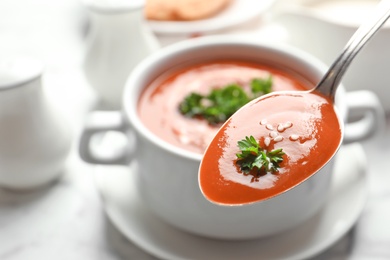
column 302, row 127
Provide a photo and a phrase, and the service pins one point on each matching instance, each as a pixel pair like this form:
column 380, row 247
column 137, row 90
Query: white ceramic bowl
column 167, row 176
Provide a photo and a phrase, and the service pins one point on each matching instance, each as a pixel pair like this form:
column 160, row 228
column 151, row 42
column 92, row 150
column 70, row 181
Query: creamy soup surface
column 158, row 105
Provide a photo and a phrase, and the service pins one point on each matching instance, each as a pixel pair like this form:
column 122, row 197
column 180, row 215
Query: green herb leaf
column 249, row 146
column 222, row 103
column 192, row 105
column 261, row 86
column 253, row 157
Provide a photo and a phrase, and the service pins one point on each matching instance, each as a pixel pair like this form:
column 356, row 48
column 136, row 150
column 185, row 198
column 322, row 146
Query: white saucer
column 346, row 202
column 239, row 11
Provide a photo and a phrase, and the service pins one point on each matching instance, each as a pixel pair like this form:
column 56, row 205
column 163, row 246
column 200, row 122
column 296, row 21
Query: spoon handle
column 329, row 83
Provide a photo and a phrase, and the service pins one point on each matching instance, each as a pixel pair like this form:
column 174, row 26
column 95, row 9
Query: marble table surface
column 66, row 219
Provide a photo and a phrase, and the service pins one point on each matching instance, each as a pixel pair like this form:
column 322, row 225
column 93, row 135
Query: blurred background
column 66, row 220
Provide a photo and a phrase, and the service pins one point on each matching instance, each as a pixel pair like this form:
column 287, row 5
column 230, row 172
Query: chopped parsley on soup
column 186, row 106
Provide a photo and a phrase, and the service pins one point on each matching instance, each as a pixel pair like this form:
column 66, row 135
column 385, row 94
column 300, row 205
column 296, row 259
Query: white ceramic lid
column 17, row 71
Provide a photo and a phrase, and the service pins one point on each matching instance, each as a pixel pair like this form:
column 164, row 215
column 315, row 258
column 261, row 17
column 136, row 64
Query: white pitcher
column 118, row 39
column 34, row 138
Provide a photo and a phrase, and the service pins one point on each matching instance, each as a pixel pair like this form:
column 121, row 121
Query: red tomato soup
column 158, row 104
column 304, row 125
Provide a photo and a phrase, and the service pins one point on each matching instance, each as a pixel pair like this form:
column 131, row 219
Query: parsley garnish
column 261, row 86
column 253, row 157
column 221, row 103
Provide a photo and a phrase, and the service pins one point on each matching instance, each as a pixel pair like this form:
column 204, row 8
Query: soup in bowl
column 187, row 105
column 172, row 108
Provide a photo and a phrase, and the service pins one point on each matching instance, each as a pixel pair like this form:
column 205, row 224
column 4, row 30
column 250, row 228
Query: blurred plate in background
column 239, row 11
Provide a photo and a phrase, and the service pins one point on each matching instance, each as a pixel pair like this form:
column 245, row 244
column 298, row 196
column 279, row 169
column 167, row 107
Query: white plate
column 237, row 12
column 346, row 202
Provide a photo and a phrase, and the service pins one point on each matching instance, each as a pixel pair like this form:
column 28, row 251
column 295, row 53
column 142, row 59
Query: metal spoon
column 327, row 86
column 331, row 80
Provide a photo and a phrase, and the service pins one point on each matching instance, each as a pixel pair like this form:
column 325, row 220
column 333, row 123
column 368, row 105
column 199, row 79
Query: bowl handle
column 100, row 124
column 366, row 116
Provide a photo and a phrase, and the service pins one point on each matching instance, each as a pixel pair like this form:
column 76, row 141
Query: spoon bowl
column 238, row 171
